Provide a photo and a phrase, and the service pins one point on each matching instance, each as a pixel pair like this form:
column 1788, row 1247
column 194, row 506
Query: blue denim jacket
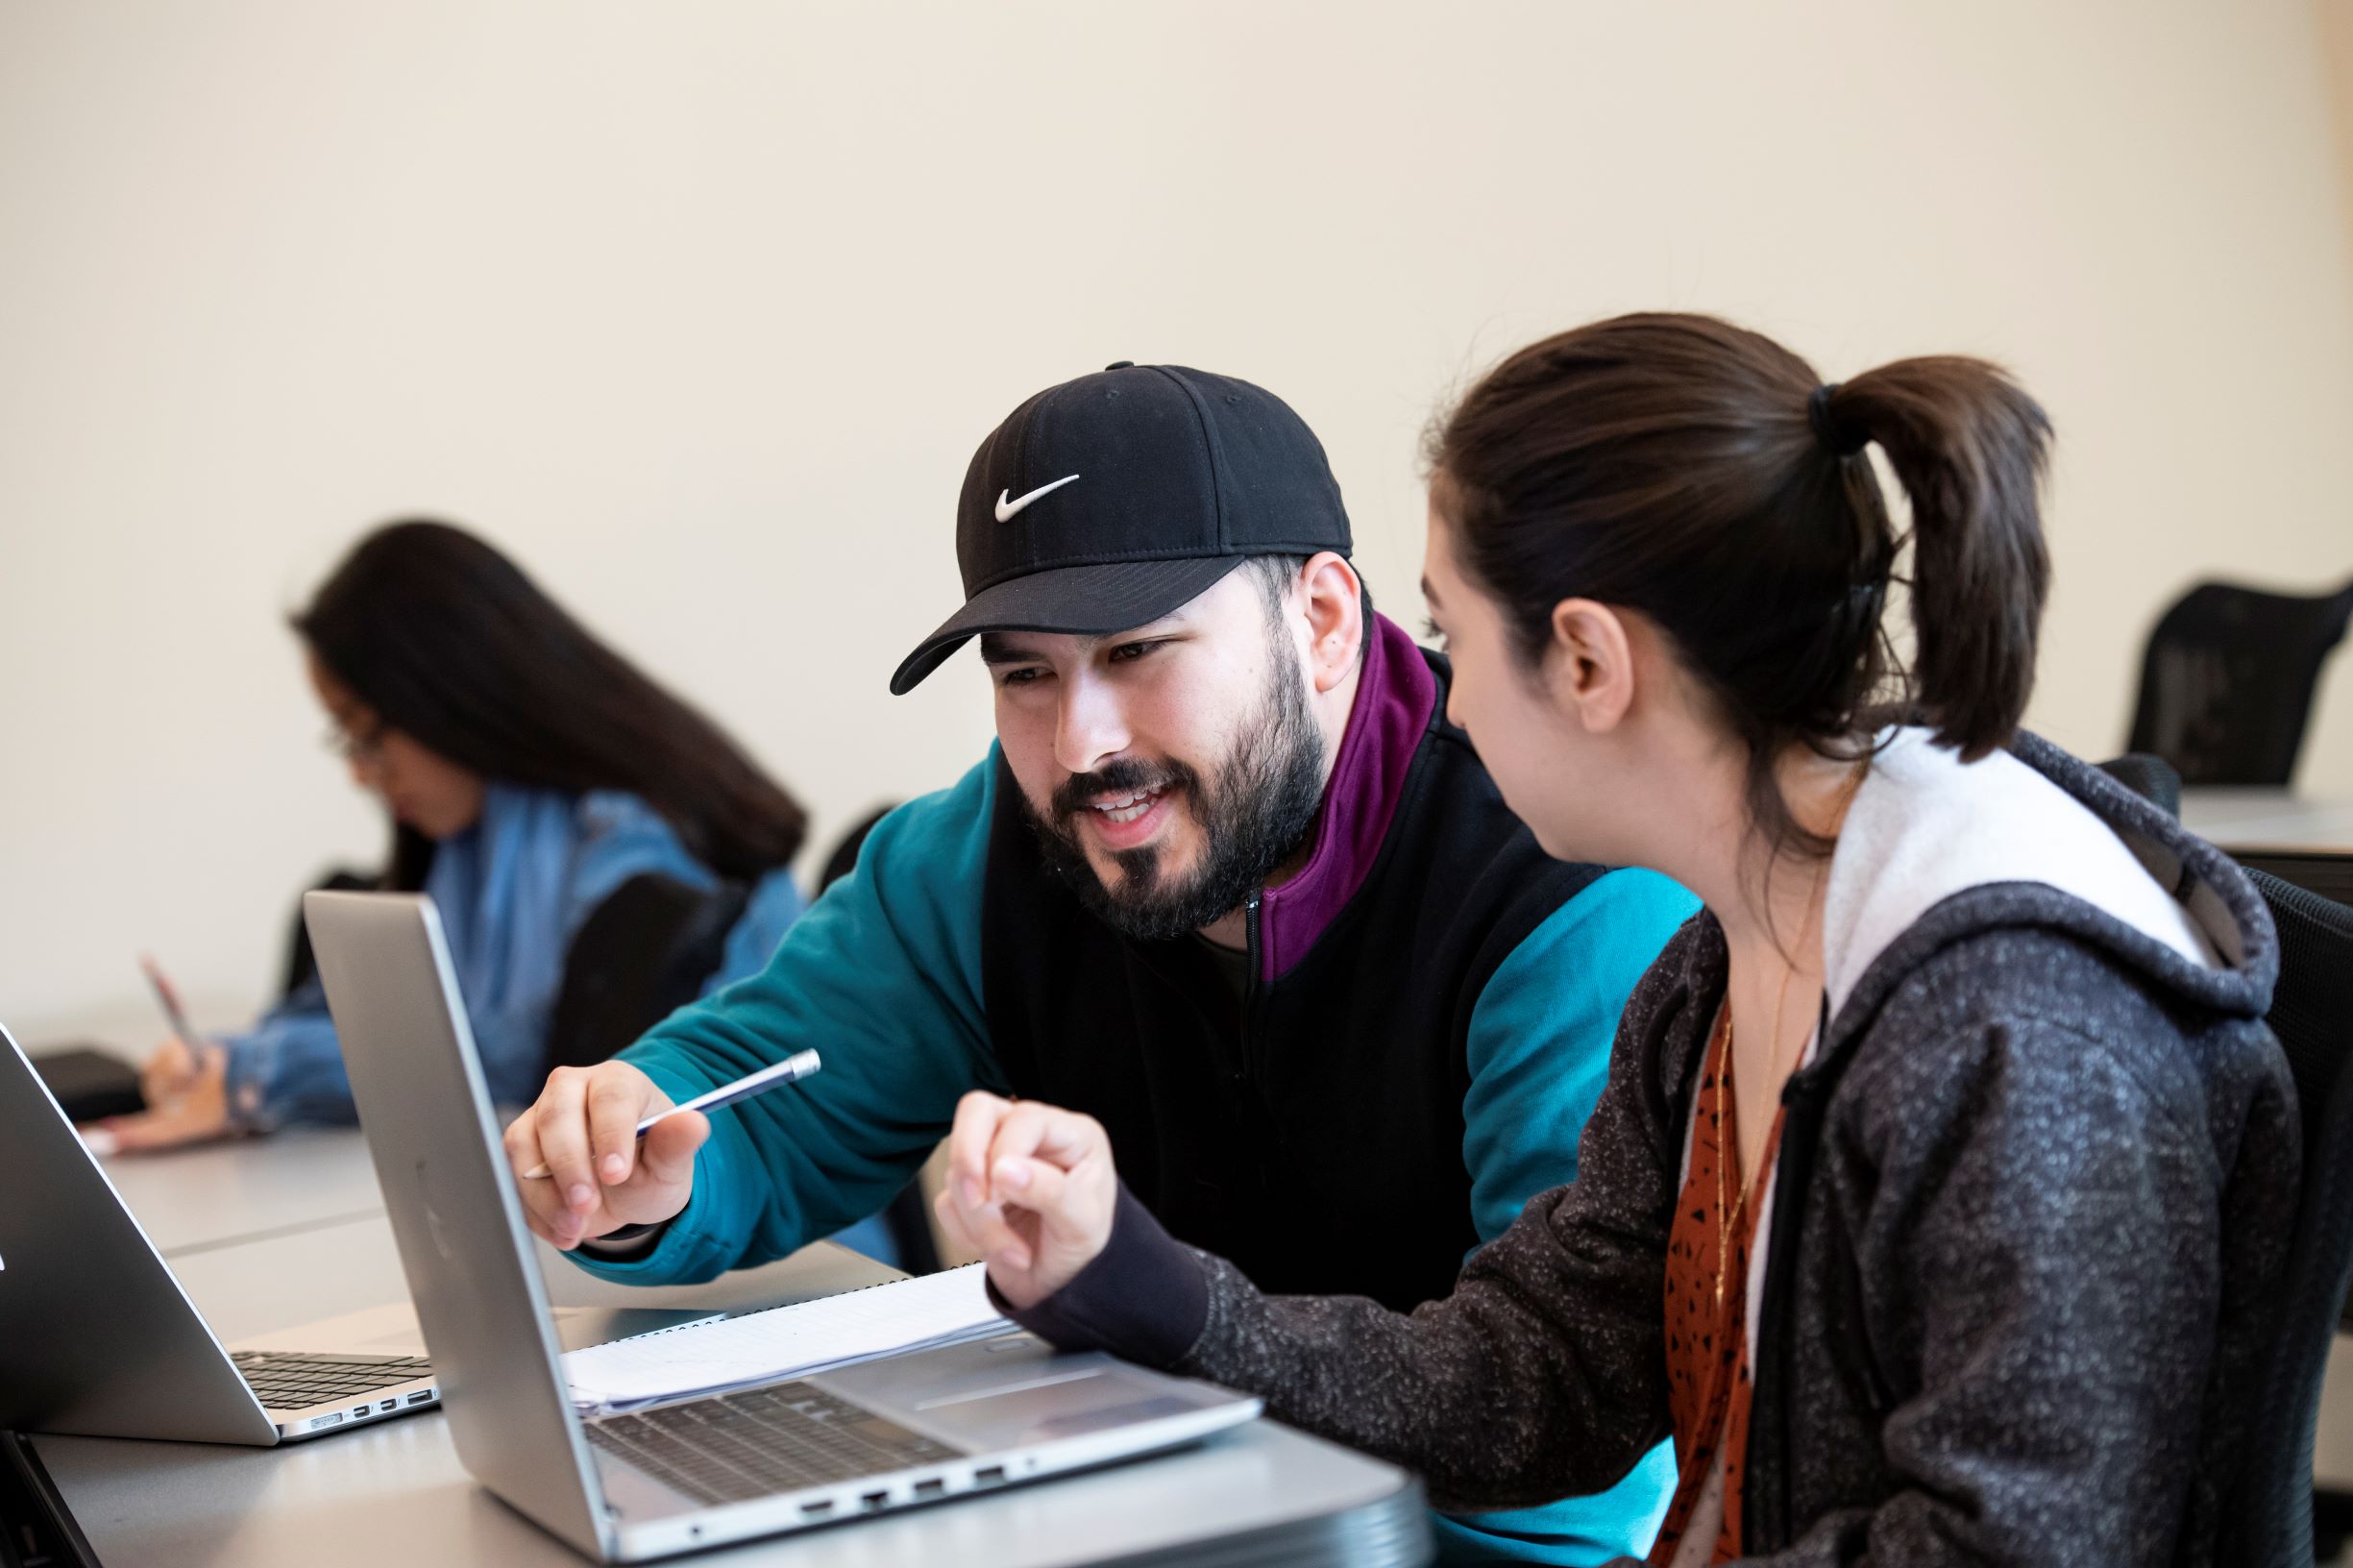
column 512, row 890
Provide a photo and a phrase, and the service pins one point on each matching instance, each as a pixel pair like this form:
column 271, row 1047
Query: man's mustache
column 1125, row 776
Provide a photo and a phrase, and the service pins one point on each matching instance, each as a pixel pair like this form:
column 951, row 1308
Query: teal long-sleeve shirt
column 882, row 976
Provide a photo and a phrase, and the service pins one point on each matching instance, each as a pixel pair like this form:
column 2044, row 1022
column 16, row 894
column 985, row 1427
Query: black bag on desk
column 91, row 1084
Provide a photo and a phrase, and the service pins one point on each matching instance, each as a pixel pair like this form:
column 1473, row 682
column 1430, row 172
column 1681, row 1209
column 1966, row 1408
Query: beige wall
column 2334, row 19
column 701, row 307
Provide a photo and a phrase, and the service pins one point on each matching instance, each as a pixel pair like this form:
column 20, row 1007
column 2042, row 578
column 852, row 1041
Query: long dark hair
column 1702, row 474
column 452, row 645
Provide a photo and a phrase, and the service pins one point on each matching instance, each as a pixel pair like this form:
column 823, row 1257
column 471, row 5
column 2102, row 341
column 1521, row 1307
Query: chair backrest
column 2226, row 682
column 844, row 857
column 2328, row 872
column 2312, row 1013
column 301, row 966
column 642, row 953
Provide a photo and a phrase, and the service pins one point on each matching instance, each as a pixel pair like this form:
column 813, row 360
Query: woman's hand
column 188, row 1100
column 170, row 1073
column 1031, row 1188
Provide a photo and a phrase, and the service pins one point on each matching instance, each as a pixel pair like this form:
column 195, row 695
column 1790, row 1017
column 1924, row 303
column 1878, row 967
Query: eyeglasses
column 362, row 748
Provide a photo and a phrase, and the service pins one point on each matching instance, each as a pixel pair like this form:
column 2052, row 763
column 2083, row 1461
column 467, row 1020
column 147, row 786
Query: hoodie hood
column 1397, row 697
column 1934, row 849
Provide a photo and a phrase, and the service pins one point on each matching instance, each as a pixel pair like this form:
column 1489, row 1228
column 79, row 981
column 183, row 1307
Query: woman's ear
column 1590, row 666
column 1333, row 596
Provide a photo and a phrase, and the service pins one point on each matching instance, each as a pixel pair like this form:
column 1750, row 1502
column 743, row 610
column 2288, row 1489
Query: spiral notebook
column 717, row 1356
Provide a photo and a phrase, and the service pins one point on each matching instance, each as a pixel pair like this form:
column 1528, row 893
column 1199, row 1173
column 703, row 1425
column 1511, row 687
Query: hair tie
column 1841, row 440
column 1855, row 614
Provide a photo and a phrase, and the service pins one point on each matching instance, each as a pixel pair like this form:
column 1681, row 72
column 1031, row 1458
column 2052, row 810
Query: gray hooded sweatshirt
column 2027, row 1226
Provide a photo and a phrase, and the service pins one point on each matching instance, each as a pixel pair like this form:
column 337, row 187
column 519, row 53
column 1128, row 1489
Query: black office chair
column 844, row 857
column 2227, row 680
column 642, row 953
column 301, row 964
column 2272, row 1522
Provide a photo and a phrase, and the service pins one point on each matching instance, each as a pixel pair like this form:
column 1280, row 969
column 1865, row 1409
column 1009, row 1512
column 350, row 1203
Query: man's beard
column 1256, row 815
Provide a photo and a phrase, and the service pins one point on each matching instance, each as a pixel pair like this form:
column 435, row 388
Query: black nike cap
column 1108, row 501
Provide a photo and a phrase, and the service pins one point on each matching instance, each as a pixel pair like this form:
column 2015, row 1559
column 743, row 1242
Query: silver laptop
column 97, row 1338
column 918, row 1428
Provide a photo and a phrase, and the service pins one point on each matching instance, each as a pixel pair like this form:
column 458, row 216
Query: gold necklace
column 1727, row 1153
column 1727, row 1140
column 1729, row 1143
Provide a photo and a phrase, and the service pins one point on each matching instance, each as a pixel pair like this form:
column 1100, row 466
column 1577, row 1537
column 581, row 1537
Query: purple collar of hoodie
column 1396, row 694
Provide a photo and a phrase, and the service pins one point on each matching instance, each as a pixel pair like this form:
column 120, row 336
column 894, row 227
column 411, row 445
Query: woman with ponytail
column 529, row 771
column 1939, row 1195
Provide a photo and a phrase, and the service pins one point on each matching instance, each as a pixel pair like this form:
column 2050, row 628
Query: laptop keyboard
column 290, row 1381
column 740, row 1447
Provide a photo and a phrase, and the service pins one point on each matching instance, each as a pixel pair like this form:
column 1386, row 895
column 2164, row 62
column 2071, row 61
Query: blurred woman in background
column 530, row 772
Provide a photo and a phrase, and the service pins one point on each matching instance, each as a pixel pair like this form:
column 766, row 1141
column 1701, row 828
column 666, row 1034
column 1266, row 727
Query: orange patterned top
column 1708, row 1297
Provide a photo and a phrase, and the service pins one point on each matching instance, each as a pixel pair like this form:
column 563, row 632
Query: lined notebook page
column 940, row 1309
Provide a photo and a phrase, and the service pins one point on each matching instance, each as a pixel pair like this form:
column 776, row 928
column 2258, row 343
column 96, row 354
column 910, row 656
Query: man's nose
column 1090, row 727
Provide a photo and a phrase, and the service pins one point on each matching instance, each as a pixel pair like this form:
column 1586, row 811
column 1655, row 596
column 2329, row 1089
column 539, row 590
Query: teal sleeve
column 1539, row 1045
column 881, row 977
column 1541, row 1032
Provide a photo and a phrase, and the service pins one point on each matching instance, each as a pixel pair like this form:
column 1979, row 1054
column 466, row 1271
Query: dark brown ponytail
column 1968, row 446
column 1701, row 473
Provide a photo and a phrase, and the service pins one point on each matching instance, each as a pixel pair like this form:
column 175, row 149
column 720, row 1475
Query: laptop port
column 930, row 1489
column 873, row 1502
column 419, row 1399
column 358, row 1410
column 387, row 1404
column 318, row 1421
column 989, row 1474
column 817, row 1511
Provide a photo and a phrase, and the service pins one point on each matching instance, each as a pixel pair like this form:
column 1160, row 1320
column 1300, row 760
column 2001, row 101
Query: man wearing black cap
column 1229, row 882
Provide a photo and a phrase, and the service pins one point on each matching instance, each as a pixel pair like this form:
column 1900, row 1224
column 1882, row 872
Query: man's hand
column 188, row 1100
column 1031, row 1188
column 599, row 1176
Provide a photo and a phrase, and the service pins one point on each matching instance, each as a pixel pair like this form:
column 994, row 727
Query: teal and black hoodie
column 1425, row 1025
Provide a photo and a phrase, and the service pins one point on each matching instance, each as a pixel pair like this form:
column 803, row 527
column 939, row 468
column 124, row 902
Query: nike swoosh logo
column 1008, row 510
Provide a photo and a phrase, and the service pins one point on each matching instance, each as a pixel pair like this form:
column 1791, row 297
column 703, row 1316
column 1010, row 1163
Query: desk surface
column 2252, row 819
column 271, row 1234
column 191, row 1200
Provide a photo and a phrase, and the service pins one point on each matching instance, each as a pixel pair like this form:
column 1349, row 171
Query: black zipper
column 1250, row 987
column 1254, row 1099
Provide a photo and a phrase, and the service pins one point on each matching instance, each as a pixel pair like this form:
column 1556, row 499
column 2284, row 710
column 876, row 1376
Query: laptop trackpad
column 1065, row 1402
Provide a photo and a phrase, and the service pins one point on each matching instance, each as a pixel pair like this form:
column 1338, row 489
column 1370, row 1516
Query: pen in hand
column 786, row 1071
column 167, row 997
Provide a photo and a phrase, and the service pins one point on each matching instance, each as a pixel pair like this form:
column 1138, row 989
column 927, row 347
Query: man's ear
column 1332, row 596
column 1590, row 666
